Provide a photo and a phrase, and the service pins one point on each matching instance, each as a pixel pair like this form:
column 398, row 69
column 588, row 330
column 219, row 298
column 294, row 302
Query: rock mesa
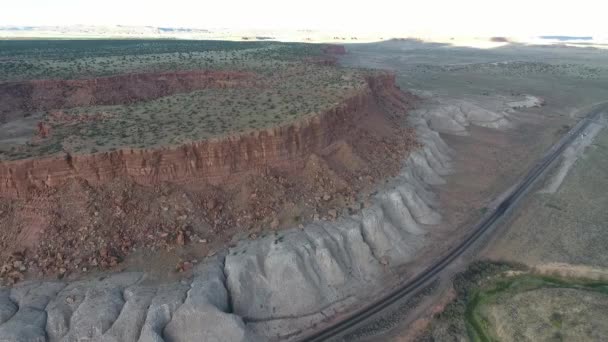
column 213, row 160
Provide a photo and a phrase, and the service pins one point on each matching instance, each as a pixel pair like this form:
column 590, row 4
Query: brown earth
column 67, row 215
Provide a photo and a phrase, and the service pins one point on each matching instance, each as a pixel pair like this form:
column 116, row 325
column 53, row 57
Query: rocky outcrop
column 330, row 55
column 213, row 160
column 296, row 279
column 453, row 116
column 266, row 289
column 21, row 97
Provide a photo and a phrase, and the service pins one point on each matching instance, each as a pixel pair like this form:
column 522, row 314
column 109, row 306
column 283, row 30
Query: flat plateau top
column 285, row 82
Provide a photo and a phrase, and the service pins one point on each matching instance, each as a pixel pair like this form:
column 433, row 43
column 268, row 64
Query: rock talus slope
column 266, row 289
column 284, row 282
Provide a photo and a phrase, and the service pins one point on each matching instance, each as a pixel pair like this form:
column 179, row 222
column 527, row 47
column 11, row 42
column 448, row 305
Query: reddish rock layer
column 21, row 97
column 213, row 160
column 334, row 49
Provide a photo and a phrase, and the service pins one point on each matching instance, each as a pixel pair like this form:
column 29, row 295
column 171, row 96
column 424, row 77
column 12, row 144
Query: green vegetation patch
column 535, row 308
column 504, row 302
column 194, row 116
column 288, row 86
column 59, row 59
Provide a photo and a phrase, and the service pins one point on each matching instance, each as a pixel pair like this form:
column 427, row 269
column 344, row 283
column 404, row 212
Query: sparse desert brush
column 288, row 89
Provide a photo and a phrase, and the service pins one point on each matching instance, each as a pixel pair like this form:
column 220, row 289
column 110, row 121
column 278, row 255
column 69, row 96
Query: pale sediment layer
column 453, row 116
column 572, row 153
column 280, row 284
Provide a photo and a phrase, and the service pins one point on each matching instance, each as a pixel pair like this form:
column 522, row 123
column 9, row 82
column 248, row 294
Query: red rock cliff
column 20, row 97
column 212, row 160
column 334, row 49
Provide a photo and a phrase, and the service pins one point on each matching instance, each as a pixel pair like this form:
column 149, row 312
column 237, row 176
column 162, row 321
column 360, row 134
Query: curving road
column 361, row 317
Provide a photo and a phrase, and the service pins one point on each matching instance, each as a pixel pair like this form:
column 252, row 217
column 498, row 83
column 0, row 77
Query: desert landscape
column 543, row 267
column 240, row 142
column 181, row 190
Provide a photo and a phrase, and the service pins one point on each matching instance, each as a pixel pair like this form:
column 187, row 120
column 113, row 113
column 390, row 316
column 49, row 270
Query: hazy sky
column 478, row 17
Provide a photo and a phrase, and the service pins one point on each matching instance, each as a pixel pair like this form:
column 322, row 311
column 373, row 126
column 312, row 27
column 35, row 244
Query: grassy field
column 570, row 225
column 505, row 302
column 64, row 59
column 566, row 77
column 291, row 87
column 535, row 308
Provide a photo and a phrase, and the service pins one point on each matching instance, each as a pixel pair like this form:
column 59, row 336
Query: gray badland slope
column 269, row 288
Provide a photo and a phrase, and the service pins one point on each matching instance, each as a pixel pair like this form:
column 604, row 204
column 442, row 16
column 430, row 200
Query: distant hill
column 567, row 38
column 87, row 31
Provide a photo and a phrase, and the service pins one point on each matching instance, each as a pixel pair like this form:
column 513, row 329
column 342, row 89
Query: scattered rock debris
column 81, row 227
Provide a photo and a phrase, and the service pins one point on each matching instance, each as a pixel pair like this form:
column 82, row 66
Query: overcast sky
column 467, row 17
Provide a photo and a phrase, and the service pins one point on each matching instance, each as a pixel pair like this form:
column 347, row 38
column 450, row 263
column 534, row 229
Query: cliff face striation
column 214, row 160
column 21, row 97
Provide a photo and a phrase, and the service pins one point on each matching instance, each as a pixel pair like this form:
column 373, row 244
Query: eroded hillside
column 98, row 167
